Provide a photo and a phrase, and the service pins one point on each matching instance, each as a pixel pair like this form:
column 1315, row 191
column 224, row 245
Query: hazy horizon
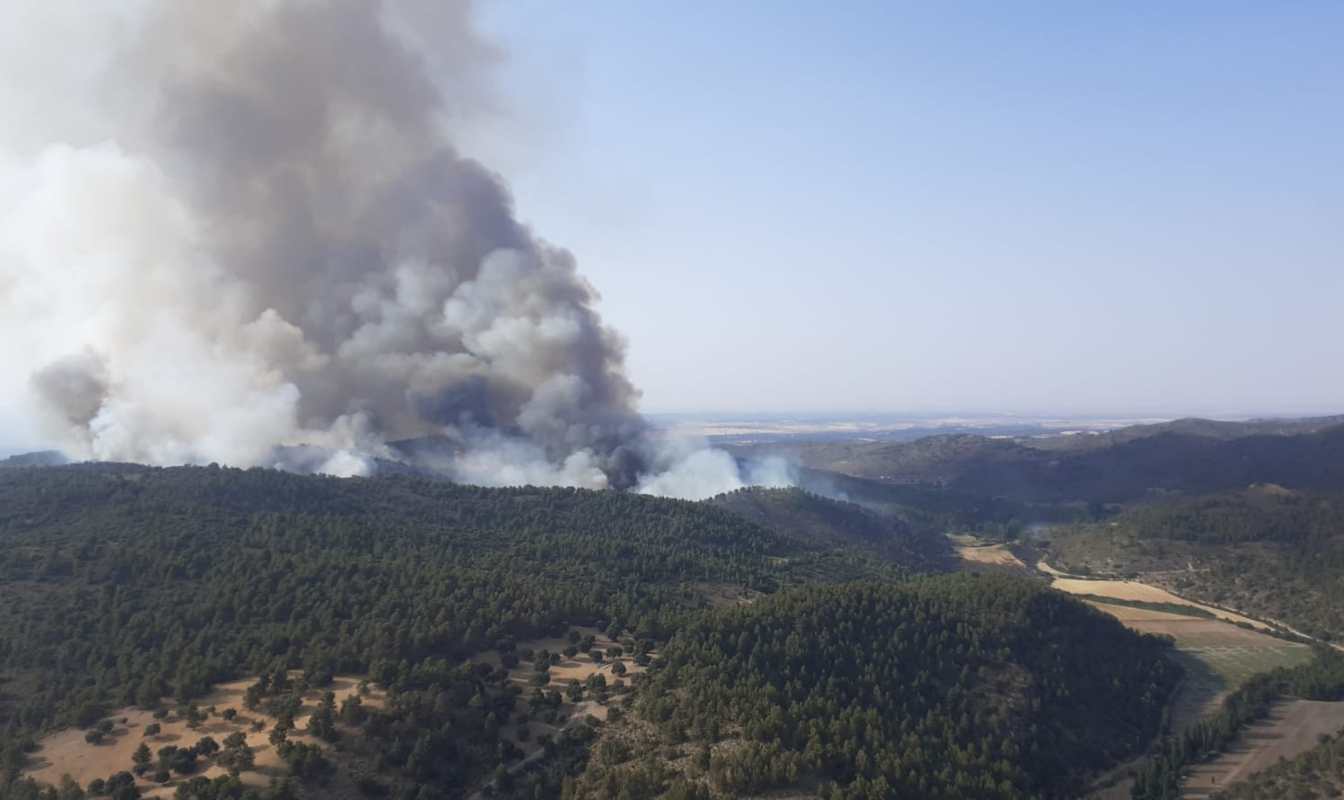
column 965, row 205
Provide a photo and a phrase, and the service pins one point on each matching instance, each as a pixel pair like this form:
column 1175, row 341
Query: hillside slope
column 1274, row 553
column 947, row 687
column 1126, row 470
column 121, row 584
column 810, row 518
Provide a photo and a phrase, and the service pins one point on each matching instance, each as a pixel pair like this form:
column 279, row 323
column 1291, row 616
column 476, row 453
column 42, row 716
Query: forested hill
column 947, row 687
column 105, row 568
column 1125, row 470
column 809, row 517
column 1265, row 550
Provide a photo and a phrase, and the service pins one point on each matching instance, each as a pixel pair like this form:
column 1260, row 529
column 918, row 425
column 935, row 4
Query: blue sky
column 1027, row 207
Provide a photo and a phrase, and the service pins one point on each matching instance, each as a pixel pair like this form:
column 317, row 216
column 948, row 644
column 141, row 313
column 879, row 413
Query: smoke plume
column 231, row 228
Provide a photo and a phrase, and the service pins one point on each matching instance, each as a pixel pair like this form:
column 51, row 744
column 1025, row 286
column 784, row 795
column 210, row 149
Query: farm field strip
column 1218, row 655
column 1292, row 727
column 1146, row 593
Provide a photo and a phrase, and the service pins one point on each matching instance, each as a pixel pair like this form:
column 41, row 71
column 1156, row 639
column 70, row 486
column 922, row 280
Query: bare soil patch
column 67, row 752
column 993, row 554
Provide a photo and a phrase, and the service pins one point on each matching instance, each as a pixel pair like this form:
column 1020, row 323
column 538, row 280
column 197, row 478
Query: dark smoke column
column 340, row 254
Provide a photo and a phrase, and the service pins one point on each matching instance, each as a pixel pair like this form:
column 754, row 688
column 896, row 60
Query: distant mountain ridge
column 39, row 458
column 1190, row 426
column 1188, row 456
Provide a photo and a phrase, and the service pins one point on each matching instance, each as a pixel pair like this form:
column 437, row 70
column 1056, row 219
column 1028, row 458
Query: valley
column 557, row 642
column 476, row 400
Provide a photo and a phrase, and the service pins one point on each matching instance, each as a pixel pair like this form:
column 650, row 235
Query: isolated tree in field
column 142, row 757
column 207, row 746
column 236, row 757
column 152, row 729
column 121, row 786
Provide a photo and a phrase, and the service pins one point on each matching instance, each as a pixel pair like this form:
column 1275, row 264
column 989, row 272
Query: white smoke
column 241, row 233
column 690, row 468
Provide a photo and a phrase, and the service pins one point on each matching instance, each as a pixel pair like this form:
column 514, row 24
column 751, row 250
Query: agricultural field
column 1291, row 728
column 977, row 555
column 1218, row 656
column 1146, row 593
column 1219, row 648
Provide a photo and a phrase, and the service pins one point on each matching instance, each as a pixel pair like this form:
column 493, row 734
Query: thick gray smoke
column 229, row 227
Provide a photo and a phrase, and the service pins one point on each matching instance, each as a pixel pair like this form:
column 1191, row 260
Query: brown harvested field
column 1142, row 592
column 994, row 555
column 67, row 752
column 1049, row 570
column 1131, row 615
column 1292, row 727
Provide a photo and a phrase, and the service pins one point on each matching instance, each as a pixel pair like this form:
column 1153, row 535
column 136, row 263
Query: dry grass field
column 997, row 555
column 1292, row 727
column 978, row 555
column 67, row 752
column 1145, row 593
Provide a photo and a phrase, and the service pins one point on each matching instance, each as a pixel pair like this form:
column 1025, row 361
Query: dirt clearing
column 993, row 554
column 978, row 555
